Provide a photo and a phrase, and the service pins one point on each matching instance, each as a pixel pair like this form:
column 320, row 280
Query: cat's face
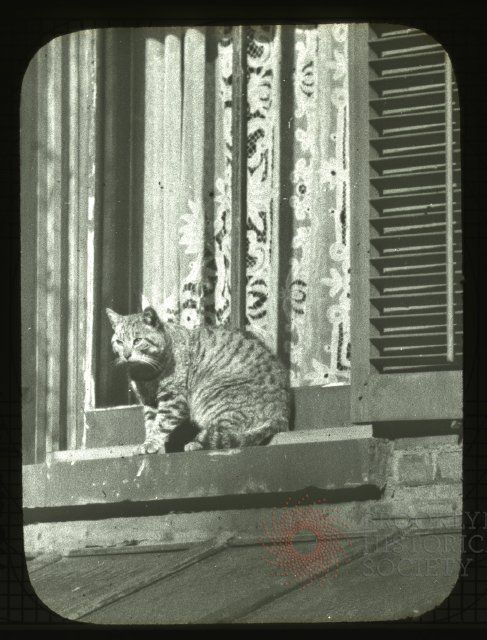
column 139, row 342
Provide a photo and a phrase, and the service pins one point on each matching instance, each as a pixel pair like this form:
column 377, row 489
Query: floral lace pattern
column 312, row 295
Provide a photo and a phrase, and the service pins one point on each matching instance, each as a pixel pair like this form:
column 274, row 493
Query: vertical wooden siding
column 58, row 264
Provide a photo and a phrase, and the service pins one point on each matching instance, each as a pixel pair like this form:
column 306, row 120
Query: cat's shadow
column 176, row 440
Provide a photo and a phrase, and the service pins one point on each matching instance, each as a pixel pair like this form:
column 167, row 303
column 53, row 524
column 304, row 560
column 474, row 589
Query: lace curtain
column 297, row 175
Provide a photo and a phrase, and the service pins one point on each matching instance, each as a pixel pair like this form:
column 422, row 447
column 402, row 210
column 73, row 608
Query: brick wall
column 424, row 482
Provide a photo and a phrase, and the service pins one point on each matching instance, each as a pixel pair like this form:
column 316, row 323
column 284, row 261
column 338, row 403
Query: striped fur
column 227, row 384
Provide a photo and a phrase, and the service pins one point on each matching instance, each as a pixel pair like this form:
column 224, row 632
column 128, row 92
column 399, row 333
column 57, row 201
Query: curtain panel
column 297, row 188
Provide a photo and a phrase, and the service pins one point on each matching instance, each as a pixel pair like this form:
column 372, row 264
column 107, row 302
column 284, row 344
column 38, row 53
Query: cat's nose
column 127, row 353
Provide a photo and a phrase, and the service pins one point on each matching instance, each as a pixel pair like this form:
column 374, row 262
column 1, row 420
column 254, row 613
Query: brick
column 414, row 469
column 449, row 465
column 422, row 506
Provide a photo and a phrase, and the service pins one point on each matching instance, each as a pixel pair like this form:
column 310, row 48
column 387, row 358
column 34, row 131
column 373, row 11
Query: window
column 278, row 149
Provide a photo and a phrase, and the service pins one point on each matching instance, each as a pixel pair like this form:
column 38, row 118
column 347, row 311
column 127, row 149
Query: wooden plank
column 115, row 426
column 153, row 203
column 73, row 416
column 95, row 453
column 28, row 239
column 42, row 561
column 250, row 471
column 396, row 580
column 145, row 572
column 110, row 534
column 286, row 134
column 53, row 217
column 239, row 179
column 41, row 262
column 222, row 588
column 71, row 586
column 261, row 596
column 275, row 275
column 433, row 395
column 350, row 432
column 320, row 407
column 171, row 163
column 359, row 211
column 192, row 205
column 89, row 212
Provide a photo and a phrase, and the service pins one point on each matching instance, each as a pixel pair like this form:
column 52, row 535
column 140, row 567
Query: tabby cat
column 228, row 386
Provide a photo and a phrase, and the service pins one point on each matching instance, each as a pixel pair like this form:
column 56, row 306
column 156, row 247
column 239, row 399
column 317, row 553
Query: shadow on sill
column 186, row 505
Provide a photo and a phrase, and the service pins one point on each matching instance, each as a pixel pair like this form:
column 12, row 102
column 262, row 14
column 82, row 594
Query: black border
column 460, row 29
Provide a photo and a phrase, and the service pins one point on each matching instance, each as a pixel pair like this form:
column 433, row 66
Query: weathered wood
column 28, row 225
column 89, row 202
column 171, row 163
column 42, row 561
column 95, row 453
column 262, row 594
column 250, row 471
column 52, row 213
column 153, row 196
column 394, row 581
column 350, row 432
column 72, row 585
column 274, row 303
column 359, row 213
column 435, row 395
column 239, row 179
column 114, row 426
column 236, row 581
column 95, row 593
column 320, row 407
column 74, row 341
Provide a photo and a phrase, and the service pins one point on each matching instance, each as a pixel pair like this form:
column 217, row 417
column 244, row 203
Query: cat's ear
column 113, row 317
column 150, row 317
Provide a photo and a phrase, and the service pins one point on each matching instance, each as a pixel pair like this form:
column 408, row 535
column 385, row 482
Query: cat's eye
column 137, row 341
column 119, row 342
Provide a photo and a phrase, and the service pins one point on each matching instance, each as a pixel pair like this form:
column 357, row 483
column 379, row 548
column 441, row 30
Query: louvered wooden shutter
column 406, row 242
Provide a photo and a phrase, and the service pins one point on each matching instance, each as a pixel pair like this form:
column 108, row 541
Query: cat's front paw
column 193, row 446
column 151, row 446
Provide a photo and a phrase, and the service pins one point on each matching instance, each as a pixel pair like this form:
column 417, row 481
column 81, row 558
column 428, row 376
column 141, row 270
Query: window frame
column 313, row 407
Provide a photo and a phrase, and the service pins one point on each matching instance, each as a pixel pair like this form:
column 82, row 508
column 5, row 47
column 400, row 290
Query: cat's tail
column 263, row 433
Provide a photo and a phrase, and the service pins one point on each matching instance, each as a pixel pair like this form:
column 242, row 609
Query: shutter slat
column 408, row 83
column 426, row 281
column 409, row 163
column 407, row 340
column 401, row 183
column 413, row 42
column 423, row 60
column 428, row 120
column 391, row 105
column 411, row 261
column 413, row 322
